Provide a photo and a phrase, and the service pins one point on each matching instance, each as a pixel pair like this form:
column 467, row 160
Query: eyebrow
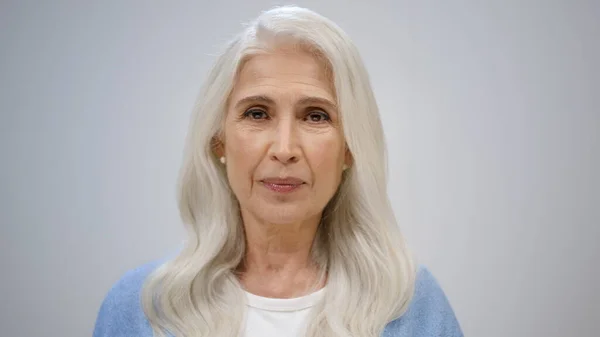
column 254, row 99
column 304, row 100
column 309, row 100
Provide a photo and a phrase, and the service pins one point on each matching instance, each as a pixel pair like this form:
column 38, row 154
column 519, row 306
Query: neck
column 278, row 262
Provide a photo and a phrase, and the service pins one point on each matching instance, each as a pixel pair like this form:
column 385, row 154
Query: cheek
column 239, row 146
column 325, row 156
column 243, row 151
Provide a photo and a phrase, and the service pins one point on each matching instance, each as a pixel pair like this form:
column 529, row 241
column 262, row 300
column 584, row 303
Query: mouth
column 283, row 185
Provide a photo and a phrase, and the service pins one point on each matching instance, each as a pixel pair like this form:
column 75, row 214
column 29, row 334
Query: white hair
column 370, row 273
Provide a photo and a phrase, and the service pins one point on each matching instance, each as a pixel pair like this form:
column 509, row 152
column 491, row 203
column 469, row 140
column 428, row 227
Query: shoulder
column 429, row 312
column 121, row 312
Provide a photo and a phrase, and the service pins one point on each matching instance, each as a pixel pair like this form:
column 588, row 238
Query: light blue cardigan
column 429, row 313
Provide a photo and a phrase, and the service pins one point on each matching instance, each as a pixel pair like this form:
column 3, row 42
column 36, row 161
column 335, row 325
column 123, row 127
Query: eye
column 256, row 113
column 317, row 116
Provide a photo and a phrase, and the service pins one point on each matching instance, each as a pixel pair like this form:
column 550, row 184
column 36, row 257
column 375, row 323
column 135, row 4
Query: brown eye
column 255, row 113
column 317, row 116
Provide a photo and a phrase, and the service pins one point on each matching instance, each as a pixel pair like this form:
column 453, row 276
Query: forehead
column 284, row 71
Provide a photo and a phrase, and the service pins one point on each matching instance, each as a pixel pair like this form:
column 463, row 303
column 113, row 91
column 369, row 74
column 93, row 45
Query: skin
column 282, row 121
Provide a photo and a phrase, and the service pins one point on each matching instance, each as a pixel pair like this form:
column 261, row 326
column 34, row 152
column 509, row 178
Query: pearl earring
column 222, row 159
column 344, row 167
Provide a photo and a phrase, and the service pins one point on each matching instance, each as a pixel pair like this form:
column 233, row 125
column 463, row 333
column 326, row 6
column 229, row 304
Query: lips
column 283, row 185
column 283, row 181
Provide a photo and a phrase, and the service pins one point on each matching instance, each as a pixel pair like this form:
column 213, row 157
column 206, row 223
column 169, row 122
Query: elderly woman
column 283, row 192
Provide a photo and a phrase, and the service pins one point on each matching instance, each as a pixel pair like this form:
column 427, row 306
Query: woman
column 283, row 192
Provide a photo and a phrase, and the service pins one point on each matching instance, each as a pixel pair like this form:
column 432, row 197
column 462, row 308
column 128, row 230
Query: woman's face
column 283, row 140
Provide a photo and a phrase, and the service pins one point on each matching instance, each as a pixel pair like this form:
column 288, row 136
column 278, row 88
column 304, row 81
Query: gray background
column 491, row 110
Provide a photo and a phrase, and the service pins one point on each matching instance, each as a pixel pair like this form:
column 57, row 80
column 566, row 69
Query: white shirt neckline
column 285, row 304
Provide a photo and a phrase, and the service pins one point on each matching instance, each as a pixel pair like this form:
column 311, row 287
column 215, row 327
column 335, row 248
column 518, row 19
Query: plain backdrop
column 491, row 112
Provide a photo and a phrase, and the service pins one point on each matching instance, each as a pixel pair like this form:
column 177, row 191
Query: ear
column 348, row 159
column 217, row 145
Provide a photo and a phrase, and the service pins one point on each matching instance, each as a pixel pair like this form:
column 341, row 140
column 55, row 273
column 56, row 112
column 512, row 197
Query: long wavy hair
column 370, row 273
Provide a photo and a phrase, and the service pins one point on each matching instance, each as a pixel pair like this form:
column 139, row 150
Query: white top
column 279, row 317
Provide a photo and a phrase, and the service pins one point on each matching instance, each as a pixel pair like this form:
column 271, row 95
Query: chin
column 283, row 214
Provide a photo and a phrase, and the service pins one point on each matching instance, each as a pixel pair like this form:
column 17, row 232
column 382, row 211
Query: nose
column 285, row 147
